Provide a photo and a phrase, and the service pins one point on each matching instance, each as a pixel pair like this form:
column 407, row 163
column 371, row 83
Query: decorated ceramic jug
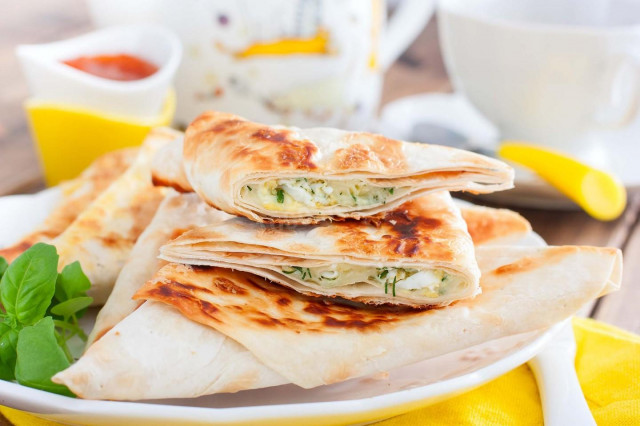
column 303, row 62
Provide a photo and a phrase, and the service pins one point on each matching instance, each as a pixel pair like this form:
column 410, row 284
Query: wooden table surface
column 419, row 70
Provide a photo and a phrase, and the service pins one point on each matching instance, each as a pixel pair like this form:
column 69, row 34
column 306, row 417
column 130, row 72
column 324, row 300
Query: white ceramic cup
column 326, row 70
column 554, row 72
column 52, row 81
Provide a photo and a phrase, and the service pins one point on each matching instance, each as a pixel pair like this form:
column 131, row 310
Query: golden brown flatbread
column 177, row 214
column 303, row 176
column 311, row 341
column 418, row 254
column 103, row 235
column 253, row 333
column 77, row 194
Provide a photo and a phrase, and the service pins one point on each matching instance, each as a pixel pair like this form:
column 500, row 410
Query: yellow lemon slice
column 599, row 193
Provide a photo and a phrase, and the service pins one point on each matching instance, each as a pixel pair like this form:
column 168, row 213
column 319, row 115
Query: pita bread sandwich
column 77, row 194
column 103, row 235
column 303, row 176
column 251, row 333
column 177, row 213
column 419, row 254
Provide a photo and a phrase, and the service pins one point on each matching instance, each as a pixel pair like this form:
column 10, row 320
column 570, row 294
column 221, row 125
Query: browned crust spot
column 213, row 296
column 225, row 126
column 162, row 182
column 486, row 224
column 290, row 151
column 404, row 232
column 176, row 233
column 102, row 333
column 367, row 151
column 526, row 264
column 12, row 252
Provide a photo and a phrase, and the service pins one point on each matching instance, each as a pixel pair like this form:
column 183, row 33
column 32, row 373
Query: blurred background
column 419, row 69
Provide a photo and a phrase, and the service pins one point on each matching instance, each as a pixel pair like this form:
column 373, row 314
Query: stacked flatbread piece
column 315, row 256
column 76, row 196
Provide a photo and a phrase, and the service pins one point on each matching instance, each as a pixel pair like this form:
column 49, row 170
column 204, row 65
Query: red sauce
column 120, row 67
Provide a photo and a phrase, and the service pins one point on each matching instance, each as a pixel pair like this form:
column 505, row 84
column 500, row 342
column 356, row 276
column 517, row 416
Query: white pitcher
column 296, row 62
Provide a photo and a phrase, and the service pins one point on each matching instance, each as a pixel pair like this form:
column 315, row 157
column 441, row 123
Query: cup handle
column 405, row 25
column 613, row 115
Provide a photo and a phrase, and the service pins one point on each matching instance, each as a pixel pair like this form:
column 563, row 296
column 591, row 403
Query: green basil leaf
column 71, row 282
column 8, row 343
column 39, row 358
column 28, row 284
column 3, row 266
column 71, row 306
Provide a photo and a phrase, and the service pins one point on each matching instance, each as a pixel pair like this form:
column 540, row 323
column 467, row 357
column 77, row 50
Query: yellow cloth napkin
column 608, row 366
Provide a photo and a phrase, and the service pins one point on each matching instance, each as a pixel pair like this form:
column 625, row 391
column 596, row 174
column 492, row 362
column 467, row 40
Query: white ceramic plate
column 452, row 111
column 354, row 401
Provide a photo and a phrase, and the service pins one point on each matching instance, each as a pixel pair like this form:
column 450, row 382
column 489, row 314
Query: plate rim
column 164, row 412
column 56, row 407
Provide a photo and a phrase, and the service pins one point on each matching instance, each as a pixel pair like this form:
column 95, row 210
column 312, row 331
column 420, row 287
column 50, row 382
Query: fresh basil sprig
column 41, row 308
column 28, row 284
column 40, row 357
column 3, row 266
column 8, row 345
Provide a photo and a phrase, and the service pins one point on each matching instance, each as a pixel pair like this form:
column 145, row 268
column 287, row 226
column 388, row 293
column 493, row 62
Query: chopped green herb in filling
column 397, row 274
column 428, row 283
column 303, row 272
column 307, row 194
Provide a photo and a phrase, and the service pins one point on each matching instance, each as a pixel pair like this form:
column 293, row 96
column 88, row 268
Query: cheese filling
column 307, row 194
column 427, row 283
